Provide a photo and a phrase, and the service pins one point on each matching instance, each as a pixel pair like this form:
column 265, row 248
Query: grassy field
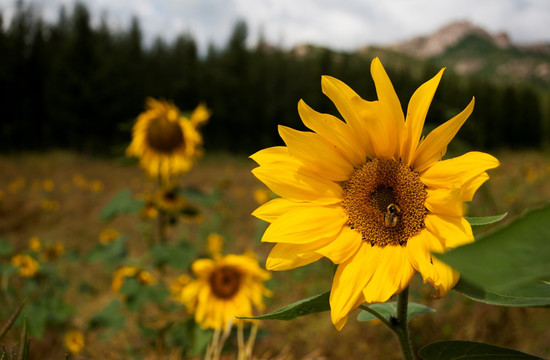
column 58, row 196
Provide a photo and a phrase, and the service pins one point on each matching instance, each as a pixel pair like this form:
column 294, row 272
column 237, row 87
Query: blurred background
column 74, row 76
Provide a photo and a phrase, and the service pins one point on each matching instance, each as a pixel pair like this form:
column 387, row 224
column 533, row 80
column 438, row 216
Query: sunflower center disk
column 164, row 135
column 225, row 282
column 384, row 201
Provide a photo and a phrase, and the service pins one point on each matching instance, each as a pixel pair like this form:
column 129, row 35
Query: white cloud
column 341, row 24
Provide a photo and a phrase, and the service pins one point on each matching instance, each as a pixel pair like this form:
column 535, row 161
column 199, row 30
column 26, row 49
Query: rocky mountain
column 469, row 49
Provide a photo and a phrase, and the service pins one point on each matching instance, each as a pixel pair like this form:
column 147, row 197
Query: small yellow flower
column 177, row 285
column 226, row 287
column 108, row 235
column 169, row 199
column 80, row 182
column 166, row 142
column 48, row 185
column 371, row 193
column 27, row 265
column 17, row 185
column 214, row 244
column 74, row 341
column 262, row 195
column 97, row 186
column 120, row 275
column 35, row 244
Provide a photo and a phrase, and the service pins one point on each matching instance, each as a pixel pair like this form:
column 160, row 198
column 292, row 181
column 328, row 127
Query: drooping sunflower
column 369, row 193
column 166, row 142
column 226, row 287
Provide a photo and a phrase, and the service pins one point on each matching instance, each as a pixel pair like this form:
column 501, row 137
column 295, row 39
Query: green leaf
column 110, row 253
column 464, row 350
column 485, row 220
column 389, row 309
column 178, row 256
column 6, row 248
column 530, row 294
column 121, row 203
column 109, row 317
column 509, row 256
column 311, row 305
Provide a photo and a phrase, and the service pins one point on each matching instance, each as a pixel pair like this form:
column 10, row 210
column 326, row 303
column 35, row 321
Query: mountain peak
column 445, row 37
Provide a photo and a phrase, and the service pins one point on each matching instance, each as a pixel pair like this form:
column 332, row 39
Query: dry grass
column 521, row 182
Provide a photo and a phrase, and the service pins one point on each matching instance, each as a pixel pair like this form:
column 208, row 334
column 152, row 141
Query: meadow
column 60, row 197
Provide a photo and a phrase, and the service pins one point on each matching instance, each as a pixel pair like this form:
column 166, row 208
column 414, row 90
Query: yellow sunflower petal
column 203, row 267
column 200, row 115
column 316, row 154
column 470, row 187
column 290, row 256
column 379, row 127
column 459, row 170
column 453, row 230
column 342, row 96
column 392, row 275
column 435, row 144
column 388, row 99
column 438, row 274
column 350, row 279
column 272, row 209
column 335, row 131
column 306, row 225
column 294, row 182
column 344, row 246
column 445, row 201
column 272, row 155
column 416, row 115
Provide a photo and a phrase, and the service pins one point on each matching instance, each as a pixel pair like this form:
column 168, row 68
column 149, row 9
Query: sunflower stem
column 401, row 328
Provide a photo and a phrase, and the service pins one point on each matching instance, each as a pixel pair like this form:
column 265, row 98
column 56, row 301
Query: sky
column 339, row 24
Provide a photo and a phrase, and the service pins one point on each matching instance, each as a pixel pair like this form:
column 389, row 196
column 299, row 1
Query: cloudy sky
column 340, row 24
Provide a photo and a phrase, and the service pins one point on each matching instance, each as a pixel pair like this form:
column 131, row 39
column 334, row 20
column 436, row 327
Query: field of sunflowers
column 100, row 285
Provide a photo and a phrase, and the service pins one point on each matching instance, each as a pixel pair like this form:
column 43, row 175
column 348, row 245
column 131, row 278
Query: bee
column 391, row 215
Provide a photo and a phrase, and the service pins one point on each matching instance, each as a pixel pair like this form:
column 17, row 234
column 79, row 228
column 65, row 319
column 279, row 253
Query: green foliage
column 109, row 254
column 508, row 257
column 469, row 350
column 6, row 248
column 536, row 293
column 110, row 317
column 178, row 256
column 122, row 203
column 389, row 310
column 310, row 305
column 485, row 220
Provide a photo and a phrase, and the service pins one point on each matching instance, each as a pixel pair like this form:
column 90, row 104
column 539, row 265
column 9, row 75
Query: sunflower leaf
column 485, row 220
column 122, row 202
column 464, row 350
column 530, row 294
column 389, row 310
column 310, row 305
column 508, row 257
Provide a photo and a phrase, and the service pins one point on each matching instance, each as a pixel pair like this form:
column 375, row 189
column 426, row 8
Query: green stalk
column 401, row 329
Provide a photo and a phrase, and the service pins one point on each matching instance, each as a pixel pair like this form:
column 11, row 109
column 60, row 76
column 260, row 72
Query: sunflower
column 26, row 264
column 120, row 275
column 166, row 142
column 227, row 286
column 74, row 341
column 369, row 194
column 169, row 199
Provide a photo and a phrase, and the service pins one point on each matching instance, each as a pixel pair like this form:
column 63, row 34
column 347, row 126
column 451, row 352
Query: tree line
column 71, row 85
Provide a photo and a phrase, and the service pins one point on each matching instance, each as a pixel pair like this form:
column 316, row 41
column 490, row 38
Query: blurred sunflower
column 74, row 341
column 35, row 244
column 227, row 286
column 26, row 264
column 108, row 235
column 121, row 274
column 51, row 252
column 169, row 199
column 166, row 142
column 369, row 193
